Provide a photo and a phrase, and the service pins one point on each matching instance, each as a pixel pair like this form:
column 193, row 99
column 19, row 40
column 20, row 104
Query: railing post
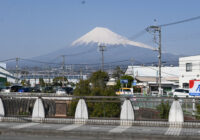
column 176, row 113
column 2, row 111
column 127, row 113
column 81, row 114
column 38, row 110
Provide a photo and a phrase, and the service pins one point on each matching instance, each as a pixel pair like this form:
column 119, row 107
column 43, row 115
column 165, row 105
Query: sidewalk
column 97, row 131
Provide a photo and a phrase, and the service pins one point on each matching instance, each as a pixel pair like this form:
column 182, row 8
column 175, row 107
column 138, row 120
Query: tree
column 99, row 79
column 198, row 111
column 23, row 82
column 83, row 88
column 117, row 72
column 41, row 81
column 96, row 86
column 163, row 109
column 7, row 84
column 57, row 81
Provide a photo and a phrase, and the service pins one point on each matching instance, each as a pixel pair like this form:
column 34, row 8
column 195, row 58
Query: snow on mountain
column 104, row 36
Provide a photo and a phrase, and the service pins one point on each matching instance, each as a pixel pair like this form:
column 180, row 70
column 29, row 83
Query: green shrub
column 163, row 109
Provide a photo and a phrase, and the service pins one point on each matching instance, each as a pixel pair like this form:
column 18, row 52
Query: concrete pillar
column 81, row 113
column 38, row 109
column 127, row 113
column 2, row 111
column 176, row 113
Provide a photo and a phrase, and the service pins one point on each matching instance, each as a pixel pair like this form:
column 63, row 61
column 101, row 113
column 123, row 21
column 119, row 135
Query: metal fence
column 100, row 107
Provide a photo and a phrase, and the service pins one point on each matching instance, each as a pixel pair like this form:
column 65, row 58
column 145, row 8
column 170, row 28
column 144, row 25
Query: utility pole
column 132, row 60
column 17, row 70
column 49, row 72
column 63, row 66
column 81, row 74
column 157, row 31
column 102, row 49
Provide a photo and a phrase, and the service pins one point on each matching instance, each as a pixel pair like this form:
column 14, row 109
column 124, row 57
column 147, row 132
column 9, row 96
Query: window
column 188, row 67
column 185, row 85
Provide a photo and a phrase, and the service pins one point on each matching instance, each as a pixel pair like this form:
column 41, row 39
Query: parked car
column 24, row 89
column 48, row 89
column 60, row 91
column 181, row 93
column 170, row 94
column 5, row 90
column 69, row 90
column 16, row 88
column 35, row 89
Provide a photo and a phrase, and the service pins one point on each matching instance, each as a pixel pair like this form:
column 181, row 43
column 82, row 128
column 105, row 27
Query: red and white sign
column 194, row 86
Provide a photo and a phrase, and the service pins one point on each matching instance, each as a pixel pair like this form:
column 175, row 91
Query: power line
column 11, row 59
column 137, row 35
column 80, row 53
column 181, row 21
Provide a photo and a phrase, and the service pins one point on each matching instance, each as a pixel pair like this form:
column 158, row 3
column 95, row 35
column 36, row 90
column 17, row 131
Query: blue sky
column 31, row 28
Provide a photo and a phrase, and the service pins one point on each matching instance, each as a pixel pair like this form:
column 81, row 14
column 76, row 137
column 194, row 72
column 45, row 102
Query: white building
column 152, row 71
column 189, row 68
column 5, row 74
column 147, row 76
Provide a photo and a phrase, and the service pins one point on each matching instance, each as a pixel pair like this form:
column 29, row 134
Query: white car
column 61, row 92
column 6, row 90
column 181, row 93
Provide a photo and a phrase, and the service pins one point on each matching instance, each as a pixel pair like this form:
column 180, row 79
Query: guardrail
column 104, row 108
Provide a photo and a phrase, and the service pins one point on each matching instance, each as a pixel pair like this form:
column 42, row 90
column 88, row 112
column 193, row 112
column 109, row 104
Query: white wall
column 9, row 79
column 185, row 76
column 152, row 71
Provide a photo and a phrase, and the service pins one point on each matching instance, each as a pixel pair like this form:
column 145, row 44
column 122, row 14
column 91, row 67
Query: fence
column 100, row 107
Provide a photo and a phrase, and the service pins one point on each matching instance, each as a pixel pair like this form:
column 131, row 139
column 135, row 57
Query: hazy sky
column 31, row 28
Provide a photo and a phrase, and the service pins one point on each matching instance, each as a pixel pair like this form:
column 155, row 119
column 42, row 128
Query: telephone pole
column 157, row 32
column 132, row 60
column 102, row 49
column 63, row 67
column 17, row 70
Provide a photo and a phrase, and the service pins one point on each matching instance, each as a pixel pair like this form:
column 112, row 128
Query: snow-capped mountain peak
column 104, row 36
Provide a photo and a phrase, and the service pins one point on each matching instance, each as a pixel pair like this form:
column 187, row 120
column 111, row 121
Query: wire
column 36, row 61
column 137, row 35
column 80, row 53
column 181, row 21
column 11, row 59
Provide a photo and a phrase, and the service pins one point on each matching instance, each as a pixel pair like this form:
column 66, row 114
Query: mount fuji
column 85, row 50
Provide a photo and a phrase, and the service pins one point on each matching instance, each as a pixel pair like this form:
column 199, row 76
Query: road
column 35, row 131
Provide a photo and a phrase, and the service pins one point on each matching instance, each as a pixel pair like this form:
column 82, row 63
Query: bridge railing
column 99, row 107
